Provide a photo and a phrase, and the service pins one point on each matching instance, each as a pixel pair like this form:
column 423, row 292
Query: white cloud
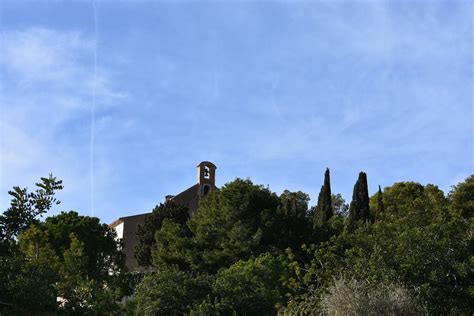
column 41, row 54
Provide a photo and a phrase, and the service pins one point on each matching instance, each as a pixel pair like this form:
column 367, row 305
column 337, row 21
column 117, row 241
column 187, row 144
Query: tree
column 46, row 275
column 339, row 205
column 359, row 208
column 276, row 228
column 290, row 226
column 26, row 207
column 403, row 197
column 81, row 294
column 38, row 273
column 427, row 249
column 69, row 256
column 23, row 275
column 461, row 197
column 174, row 246
column 231, row 223
column 170, row 292
column 100, row 246
column 11, row 265
column 252, row 287
column 74, row 287
column 324, row 208
column 417, row 242
column 380, row 201
column 153, row 222
column 376, row 204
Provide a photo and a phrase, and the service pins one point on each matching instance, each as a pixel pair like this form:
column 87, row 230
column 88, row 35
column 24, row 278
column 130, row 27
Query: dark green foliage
column 359, row 208
column 171, row 292
column 82, row 293
column 126, row 283
column 227, row 259
column 11, row 263
column 376, row 205
column 420, row 243
column 339, row 205
column 91, row 262
column 213, row 307
column 380, row 201
column 324, row 208
column 100, row 247
column 234, row 223
column 74, row 285
column 34, row 285
column 427, row 249
column 25, row 282
column 253, row 287
column 51, row 267
column 290, row 226
column 174, row 246
column 230, row 225
column 69, row 256
column 153, row 222
column 462, row 197
column 403, row 197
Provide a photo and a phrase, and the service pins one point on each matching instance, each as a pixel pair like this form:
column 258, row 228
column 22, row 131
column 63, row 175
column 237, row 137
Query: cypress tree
column 379, row 201
column 324, row 208
column 359, row 208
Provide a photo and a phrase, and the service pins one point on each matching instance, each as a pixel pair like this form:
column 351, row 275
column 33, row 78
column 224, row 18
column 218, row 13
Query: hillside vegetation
column 405, row 250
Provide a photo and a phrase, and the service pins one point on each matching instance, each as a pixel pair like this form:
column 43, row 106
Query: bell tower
column 206, row 177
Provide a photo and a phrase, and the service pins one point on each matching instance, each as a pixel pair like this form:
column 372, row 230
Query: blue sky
column 271, row 90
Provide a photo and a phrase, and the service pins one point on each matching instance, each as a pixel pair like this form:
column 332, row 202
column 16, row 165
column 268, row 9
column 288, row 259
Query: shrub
column 362, row 298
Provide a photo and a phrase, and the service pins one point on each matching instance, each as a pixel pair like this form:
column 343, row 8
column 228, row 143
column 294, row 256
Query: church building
column 127, row 227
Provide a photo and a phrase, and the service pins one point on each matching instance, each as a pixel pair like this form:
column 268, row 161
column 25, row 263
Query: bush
column 170, row 292
column 361, row 298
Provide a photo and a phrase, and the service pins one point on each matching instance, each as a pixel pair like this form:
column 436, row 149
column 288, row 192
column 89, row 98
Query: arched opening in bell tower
column 207, row 172
column 206, row 189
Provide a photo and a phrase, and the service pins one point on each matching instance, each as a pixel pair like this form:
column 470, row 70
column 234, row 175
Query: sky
column 122, row 99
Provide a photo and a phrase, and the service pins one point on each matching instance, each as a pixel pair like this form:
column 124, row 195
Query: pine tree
column 359, row 208
column 146, row 233
column 379, row 201
column 324, row 209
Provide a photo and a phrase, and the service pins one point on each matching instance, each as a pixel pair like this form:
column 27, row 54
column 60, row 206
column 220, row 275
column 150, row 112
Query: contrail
column 92, row 140
column 2, row 128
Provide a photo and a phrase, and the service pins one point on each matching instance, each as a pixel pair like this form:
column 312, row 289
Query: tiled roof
column 121, row 219
column 187, row 194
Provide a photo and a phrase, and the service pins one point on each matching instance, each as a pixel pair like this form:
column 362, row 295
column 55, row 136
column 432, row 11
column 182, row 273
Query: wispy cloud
column 274, row 90
column 46, row 96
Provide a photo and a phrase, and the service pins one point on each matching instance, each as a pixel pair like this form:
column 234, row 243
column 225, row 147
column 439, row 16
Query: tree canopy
column 462, row 197
column 407, row 249
column 67, row 256
column 153, row 222
column 359, row 207
column 324, row 208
